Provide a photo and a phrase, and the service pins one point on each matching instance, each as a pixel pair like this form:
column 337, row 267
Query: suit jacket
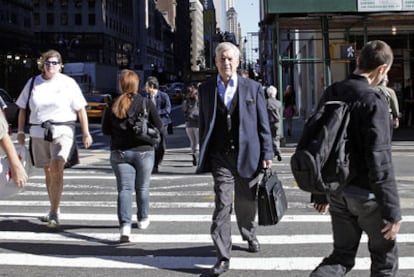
column 255, row 141
column 163, row 105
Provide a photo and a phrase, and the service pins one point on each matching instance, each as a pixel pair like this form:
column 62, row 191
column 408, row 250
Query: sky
column 248, row 15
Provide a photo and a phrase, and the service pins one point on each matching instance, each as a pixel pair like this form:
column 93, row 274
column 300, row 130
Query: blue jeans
column 133, row 172
column 350, row 217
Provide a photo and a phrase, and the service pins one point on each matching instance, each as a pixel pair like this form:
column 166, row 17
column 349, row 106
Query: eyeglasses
column 51, row 63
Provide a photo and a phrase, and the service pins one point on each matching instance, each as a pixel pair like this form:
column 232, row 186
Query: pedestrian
column 392, row 102
column 18, row 173
column 55, row 103
column 244, row 73
column 235, row 144
column 3, row 107
column 132, row 161
column 290, row 109
column 162, row 102
column 191, row 117
column 274, row 108
column 370, row 202
column 408, row 100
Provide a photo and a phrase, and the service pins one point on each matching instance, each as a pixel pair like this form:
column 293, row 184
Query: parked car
column 12, row 110
column 97, row 103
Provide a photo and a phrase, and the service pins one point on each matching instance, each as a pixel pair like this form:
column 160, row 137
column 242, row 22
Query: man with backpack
column 369, row 201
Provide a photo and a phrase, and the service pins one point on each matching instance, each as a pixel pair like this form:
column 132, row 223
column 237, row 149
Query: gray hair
column 271, row 91
column 223, row 46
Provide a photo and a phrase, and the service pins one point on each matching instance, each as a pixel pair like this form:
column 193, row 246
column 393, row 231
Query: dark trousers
column 160, row 147
column 350, row 217
column 227, row 181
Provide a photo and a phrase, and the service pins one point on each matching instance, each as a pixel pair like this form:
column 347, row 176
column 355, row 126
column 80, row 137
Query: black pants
column 160, row 147
column 350, row 217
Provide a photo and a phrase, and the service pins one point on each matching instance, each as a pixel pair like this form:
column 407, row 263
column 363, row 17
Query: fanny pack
column 49, row 128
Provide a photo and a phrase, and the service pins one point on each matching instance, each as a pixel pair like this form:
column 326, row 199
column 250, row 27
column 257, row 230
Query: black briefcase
column 272, row 202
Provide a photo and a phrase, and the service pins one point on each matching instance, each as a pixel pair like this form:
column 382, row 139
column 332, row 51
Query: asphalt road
column 177, row 242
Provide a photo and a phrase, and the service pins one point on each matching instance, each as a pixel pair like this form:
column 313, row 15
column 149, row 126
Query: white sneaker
column 45, row 218
column 143, row 224
column 125, row 232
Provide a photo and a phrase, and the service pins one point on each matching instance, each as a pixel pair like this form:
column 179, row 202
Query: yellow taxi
column 96, row 104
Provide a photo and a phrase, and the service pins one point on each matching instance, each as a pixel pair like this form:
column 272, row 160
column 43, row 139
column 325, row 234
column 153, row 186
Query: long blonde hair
column 128, row 86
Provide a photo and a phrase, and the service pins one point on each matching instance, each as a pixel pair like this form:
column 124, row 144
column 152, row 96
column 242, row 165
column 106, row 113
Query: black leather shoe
column 254, row 246
column 220, row 267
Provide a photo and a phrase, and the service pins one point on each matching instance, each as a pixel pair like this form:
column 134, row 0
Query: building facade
column 197, row 57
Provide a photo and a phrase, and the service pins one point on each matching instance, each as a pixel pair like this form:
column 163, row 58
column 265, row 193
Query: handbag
column 272, row 202
column 143, row 130
column 7, row 186
column 73, row 158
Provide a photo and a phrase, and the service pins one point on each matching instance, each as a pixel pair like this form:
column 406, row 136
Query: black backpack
column 320, row 163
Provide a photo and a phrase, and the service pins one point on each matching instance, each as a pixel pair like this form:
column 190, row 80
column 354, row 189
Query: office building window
column 92, row 19
column 64, row 3
column 50, row 3
column 78, row 3
column 26, row 22
column 36, row 19
column 78, row 19
column 50, row 19
column 64, row 19
column 91, row 3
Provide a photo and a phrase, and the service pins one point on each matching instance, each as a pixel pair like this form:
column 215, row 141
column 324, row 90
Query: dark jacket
column 371, row 168
column 255, row 141
column 163, row 105
column 191, row 114
column 121, row 131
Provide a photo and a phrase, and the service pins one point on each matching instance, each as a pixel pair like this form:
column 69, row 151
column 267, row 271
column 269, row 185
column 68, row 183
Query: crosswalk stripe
column 173, row 262
column 170, row 217
column 176, row 238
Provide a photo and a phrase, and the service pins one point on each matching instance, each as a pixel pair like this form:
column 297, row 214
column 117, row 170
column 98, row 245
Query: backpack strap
column 27, row 110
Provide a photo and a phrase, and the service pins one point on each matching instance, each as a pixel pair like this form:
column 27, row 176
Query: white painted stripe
column 89, row 203
column 114, row 193
column 169, row 218
column 174, row 238
column 112, row 177
column 160, row 217
column 184, row 262
column 157, row 205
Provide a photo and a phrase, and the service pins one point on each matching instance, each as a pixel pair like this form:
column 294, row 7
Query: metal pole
column 326, row 54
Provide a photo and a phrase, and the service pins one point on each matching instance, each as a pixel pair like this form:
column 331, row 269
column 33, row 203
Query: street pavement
column 177, row 242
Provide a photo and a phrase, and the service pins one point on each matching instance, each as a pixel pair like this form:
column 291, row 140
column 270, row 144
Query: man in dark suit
column 235, row 144
column 161, row 100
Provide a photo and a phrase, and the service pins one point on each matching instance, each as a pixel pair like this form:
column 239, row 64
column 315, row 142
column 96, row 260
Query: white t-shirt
column 58, row 100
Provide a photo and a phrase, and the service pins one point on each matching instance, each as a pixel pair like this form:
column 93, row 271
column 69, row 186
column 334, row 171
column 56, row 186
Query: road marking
column 154, row 205
column 112, row 177
column 72, row 236
column 169, row 217
column 184, row 262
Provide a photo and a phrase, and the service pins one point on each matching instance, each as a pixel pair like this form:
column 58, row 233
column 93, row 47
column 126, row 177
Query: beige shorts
column 45, row 151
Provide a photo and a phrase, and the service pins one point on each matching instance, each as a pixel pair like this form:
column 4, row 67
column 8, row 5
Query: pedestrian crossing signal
column 347, row 52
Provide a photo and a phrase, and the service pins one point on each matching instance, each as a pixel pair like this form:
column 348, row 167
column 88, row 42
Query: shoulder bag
column 143, row 130
column 272, row 202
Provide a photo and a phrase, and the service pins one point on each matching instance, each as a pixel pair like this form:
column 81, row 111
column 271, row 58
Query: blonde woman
column 55, row 99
